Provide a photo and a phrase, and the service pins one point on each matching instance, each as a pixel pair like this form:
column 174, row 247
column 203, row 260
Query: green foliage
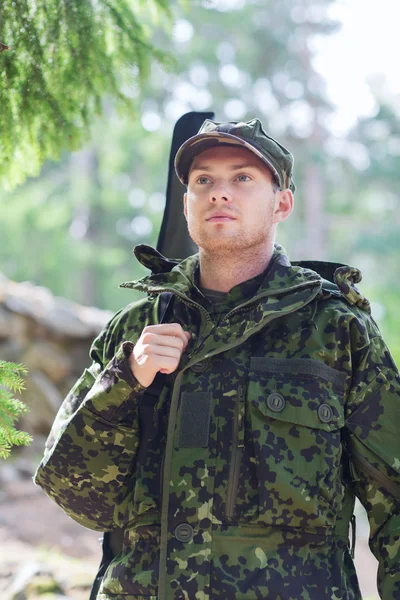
column 63, row 57
column 73, row 229
column 10, row 408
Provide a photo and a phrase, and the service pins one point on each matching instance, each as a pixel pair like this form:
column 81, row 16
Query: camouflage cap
column 248, row 134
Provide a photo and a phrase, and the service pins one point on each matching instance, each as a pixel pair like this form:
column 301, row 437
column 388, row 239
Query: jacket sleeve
column 91, row 447
column 373, row 428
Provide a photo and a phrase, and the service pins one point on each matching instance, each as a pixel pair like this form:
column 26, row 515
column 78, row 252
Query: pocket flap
column 301, row 392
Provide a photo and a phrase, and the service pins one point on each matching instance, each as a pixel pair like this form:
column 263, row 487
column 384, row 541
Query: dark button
column 325, row 413
column 184, row 532
column 275, row 402
column 201, row 366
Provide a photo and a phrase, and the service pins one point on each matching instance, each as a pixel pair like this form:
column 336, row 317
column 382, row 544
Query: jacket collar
column 180, row 276
column 284, row 289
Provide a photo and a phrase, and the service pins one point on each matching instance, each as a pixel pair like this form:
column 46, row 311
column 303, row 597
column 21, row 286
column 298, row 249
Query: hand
column 159, row 349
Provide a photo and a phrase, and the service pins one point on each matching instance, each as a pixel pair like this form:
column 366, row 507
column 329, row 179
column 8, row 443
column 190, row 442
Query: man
column 228, row 442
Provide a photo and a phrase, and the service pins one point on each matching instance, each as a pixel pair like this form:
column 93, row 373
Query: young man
column 228, row 443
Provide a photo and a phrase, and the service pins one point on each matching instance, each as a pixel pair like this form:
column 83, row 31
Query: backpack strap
column 110, row 541
column 165, row 301
column 329, row 285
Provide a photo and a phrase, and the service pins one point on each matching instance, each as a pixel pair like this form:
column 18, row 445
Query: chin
column 223, row 242
column 221, row 246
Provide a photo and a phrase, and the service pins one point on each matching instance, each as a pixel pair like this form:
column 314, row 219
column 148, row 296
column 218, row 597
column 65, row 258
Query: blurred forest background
column 77, row 194
column 72, row 227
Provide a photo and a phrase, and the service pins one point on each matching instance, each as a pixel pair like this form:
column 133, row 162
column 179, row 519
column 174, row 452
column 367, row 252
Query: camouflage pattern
column 236, row 476
column 250, row 135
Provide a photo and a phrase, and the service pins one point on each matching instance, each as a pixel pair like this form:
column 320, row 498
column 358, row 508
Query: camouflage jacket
column 235, row 477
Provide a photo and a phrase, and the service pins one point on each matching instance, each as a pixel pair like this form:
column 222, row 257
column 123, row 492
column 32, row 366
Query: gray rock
column 11, row 350
column 5, row 323
column 48, row 357
column 59, row 315
column 51, row 336
column 43, row 399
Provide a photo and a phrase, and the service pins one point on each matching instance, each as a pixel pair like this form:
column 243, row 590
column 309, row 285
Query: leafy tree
column 376, row 139
column 59, row 59
column 10, row 408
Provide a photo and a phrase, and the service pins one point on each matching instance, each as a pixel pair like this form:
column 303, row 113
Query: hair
column 275, row 186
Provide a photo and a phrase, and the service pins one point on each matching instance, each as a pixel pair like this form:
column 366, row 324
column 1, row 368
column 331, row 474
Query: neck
column 221, row 272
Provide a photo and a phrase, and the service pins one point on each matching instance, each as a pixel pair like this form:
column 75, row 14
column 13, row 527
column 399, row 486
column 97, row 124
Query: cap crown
column 252, row 132
column 250, row 135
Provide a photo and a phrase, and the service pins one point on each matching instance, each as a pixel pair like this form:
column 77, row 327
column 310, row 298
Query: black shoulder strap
column 113, row 539
column 165, row 300
column 329, row 285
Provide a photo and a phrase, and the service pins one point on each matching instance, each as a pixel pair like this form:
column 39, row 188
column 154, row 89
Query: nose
column 218, row 193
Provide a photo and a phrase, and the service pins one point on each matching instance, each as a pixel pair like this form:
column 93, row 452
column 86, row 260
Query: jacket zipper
column 195, row 305
column 376, row 474
column 236, row 456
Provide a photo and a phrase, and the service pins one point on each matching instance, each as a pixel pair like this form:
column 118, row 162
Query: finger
column 167, row 364
column 153, row 339
column 166, row 351
column 173, row 329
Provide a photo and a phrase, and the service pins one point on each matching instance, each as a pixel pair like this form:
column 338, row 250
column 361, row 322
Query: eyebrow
column 232, row 168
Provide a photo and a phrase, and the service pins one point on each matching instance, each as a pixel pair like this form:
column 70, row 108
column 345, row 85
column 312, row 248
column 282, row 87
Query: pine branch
column 10, row 375
column 63, row 57
column 11, row 409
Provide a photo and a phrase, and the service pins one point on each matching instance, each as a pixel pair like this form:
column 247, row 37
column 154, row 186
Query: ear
column 185, row 205
column 283, row 205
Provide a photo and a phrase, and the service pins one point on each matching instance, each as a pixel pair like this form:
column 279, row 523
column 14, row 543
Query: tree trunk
column 84, row 167
column 315, row 230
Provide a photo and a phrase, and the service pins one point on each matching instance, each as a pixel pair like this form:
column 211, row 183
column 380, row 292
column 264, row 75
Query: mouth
column 220, row 218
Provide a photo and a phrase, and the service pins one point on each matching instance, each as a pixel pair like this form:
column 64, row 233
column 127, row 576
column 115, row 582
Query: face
column 230, row 202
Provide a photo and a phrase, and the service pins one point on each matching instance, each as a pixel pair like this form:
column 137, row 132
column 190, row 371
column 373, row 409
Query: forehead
column 229, row 157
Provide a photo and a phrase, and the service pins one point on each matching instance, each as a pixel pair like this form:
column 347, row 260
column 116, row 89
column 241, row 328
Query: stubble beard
column 223, row 244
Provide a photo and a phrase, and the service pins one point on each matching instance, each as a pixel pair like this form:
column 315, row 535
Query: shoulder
column 126, row 324
column 346, row 278
column 131, row 314
column 341, row 313
column 345, row 309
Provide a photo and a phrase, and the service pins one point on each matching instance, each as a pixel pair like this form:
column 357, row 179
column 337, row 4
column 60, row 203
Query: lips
column 219, row 216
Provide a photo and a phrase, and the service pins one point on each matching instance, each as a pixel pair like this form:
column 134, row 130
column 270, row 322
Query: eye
column 202, row 179
column 243, row 177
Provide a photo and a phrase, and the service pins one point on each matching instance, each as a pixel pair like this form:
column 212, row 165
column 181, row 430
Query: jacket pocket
column 134, row 572
column 295, row 413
